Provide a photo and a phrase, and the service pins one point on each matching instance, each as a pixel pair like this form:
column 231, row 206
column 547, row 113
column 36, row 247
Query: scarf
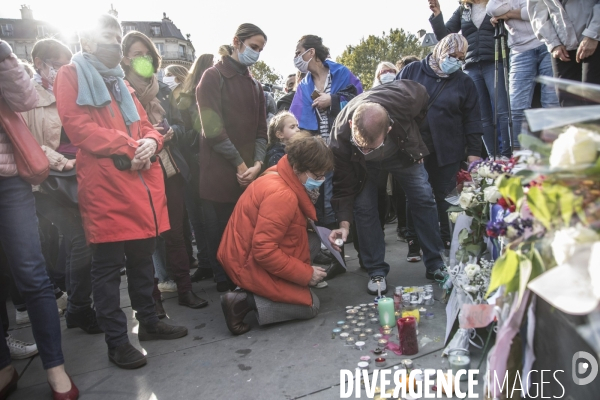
column 93, row 91
column 313, row 194
column 452, row 43
column 146, row 92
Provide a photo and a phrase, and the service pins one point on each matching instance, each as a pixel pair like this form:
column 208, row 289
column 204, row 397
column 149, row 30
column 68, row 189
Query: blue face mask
column 312, row 184
column 450, row 65
column 249, row 57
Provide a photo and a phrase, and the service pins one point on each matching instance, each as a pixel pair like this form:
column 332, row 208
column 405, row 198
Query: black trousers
column 107, row 261
column 586, row 71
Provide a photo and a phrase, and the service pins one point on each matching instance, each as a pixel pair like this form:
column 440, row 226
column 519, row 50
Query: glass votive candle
column 382, row 343
column 377, row 336
column 359, row 345
column 335, row 332
column 344, row 335
column 362, row 337
column 349, row 317
column 356, row 331
column 353, row 322
column 459, row 359
column 361, row 318
column 351, row 312
column 345, row 328
column 386, row 331
column 380, row 362
column 371, row 315
column 361, row 314
column 368, row 331
column 361, row 324
column 350, row 340
column 374, row 320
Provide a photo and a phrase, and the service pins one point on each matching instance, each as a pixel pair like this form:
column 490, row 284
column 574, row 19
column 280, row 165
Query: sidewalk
column 290, row 360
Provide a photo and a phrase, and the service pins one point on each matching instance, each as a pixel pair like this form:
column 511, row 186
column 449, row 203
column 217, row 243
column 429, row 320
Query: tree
column 363, row 58
column 265, row 74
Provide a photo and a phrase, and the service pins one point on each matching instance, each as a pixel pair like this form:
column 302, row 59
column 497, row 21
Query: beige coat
column 44, row 123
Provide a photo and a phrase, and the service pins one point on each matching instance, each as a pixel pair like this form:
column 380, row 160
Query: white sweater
column 521, row 37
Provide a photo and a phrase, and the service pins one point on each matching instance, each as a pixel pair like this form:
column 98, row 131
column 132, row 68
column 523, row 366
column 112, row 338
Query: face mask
column 450, row 65
column 312, row 184
column 109, row 54
column 301, row 64
column 170, row 80
column 387, row 78
column 249, row 57
column 142, row 65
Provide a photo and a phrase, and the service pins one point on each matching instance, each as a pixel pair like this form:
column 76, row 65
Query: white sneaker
column 321, row 285
column 20, row 350
column 22, row 317
column 167, row 286
column 61, row 302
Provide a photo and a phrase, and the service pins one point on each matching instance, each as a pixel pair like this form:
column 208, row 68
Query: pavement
column 291, row 360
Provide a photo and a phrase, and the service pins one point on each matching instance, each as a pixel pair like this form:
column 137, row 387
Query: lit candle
column 374, row 320
column 459, row 360
column 368, row 331
column 380, row 362
column 344, row 335
column 382, row 343
column 362, row 337
column 386, row 311
column 350, row 340
column 356, row 331
column 345, row 328
column 351, row 312
column 354, row 322
column 361, row 325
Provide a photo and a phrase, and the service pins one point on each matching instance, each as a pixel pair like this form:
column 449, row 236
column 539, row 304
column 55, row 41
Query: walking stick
column 505, row 51
column 496, row 69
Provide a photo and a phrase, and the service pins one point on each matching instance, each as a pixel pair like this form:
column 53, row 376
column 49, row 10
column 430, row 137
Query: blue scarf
column 91, row 75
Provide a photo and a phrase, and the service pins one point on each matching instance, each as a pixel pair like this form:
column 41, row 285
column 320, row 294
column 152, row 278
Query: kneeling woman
column 265, row 248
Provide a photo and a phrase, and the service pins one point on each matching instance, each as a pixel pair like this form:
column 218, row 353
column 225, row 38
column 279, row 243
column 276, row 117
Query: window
column 181, row 51
column 160, row 48
column 128, row 28
column 7, row 30
column 156, row 31
column 41, row 31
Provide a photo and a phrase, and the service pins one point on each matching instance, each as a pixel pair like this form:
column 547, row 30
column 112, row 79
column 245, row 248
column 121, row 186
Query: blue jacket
column 454, row 118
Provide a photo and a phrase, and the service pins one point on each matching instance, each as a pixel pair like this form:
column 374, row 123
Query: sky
column 213, row 23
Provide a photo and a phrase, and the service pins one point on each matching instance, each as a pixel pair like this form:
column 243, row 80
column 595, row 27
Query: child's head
column 282, row 127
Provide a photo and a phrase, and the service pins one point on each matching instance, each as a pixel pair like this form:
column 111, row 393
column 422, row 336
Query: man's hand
column 341, row 233
column 587, row 47
column 69, row 165
column 322, row 102
column 137, row 164
column 561, row 53
column 250, row 175
column 146, row 150
column 318, row 275
column 472, row 159
column 434, row 6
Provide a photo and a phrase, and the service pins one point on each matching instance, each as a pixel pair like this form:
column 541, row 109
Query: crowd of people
column 145, row 162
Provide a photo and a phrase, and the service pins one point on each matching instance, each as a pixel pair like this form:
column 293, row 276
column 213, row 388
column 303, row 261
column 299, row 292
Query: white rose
column 511, row 232
column 491, row 194
column 454, row 216
column 575, row 147
column 466, row 199
column 471, row 270
column 484, row 171
column 471, row 288
column 566, row 241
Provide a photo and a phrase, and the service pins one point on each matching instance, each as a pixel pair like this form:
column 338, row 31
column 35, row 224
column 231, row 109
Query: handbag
column 32, row 163
column 167, row 163
column 62, row 187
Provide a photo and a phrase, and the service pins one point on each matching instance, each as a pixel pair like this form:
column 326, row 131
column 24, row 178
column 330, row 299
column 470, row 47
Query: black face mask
column 109, row 54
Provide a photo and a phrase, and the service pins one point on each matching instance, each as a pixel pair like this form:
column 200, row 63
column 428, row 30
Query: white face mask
column 301, row 64
column 170, row 80
column 387, row 78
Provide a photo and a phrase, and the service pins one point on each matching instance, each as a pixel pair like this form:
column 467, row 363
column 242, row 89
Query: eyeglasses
column 316, row 177
column 367, row 150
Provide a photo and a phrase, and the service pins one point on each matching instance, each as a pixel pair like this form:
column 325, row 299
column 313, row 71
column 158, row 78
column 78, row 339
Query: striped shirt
column 324, row 114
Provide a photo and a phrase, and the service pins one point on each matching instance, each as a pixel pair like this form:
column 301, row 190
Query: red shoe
column 11, row 387
column 72, row 394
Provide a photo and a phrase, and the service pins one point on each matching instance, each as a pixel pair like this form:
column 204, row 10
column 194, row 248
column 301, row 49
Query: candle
column 357, row 308
column 339, row 242
column 429, row 315
column 382, row 342
column 363, row 365
column 459, row 360
column 361, row 314
column 353, row 322
column 360, row 325
column 408, row 364
column 350, row 340
column 359, row 345
column 374, row 320
column 368, row 331
column 344, row 335
column 340, row 323
column 380, row 362
column 349, row 317
column 387, row 331
column 356, row 331
column 371, row 315
column 365, row 358
column 361, row 319
column 386, row 311
column 336, row 331
column 422, row 311
column 372, row 305
column 349, row 307
column 407, row 332
column 362, row 336
column 377, row 351
column 345, row 328
column 351, row 312
column 377, row 336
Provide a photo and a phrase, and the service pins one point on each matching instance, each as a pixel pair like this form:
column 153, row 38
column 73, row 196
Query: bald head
column 370, row 123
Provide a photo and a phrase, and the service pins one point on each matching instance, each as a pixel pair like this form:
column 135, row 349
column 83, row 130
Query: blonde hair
column 177, row 71
column 276, row 124
column 382, row 65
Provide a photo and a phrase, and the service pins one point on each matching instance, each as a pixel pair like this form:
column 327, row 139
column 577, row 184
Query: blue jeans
column 21, row 242
column 419, row 196
column 159, row 257
column 79, row 256
column 524, row 67
column 483, row 73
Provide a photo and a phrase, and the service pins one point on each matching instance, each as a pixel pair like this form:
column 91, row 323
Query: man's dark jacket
column 406, row 103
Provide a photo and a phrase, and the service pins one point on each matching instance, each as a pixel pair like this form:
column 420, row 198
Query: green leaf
column 511, row 188
column 594, row 170
column 504, row 272
column 538, row 204
column 463, row 236
column 474, row 249
column 537, row 263
column 455, row 209
column 525, row 268
column 566, row 202
column 536, row 145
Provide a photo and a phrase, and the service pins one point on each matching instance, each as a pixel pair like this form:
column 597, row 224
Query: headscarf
column 454, row 42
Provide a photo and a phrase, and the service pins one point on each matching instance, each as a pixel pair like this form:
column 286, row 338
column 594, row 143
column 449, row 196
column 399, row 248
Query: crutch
column 505, row 51
column 496, row 69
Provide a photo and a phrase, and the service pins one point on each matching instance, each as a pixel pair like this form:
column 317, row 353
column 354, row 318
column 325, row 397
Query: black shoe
column 439, row 274
column 126, row 356
column 160, row 310
column 401, row 235
column 334, row 269
column 225, row 286
column 122, row 271
column 160, row 331
column 323, row 258
column 414, row 251
column 86, row 320
column 189, row 299
column 201, row 274
column 235, row 307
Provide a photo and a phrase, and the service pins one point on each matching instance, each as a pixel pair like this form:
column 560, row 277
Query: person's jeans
column 216, row 216
column 107, row 261
column 79, row 256
column 419, row 196
column 160, row 261
column 21, row 242
column 483, row 75
column 443, row 181
column 399, row 200
column 588, row 70
column 524, row 67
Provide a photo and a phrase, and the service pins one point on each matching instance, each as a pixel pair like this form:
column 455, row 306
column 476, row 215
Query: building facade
column 173, row 46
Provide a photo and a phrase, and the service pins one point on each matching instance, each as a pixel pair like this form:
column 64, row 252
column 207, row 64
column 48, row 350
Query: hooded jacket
column 264, row 248
column 406, row 103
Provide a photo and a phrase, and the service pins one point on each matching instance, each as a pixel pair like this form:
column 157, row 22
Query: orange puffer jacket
column 265, row 246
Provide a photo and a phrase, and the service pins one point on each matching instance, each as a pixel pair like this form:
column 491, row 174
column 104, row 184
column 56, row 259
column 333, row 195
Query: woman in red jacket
column 234, row 134
column 265, row 247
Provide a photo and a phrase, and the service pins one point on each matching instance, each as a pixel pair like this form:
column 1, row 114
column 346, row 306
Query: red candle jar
column 407, row 332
